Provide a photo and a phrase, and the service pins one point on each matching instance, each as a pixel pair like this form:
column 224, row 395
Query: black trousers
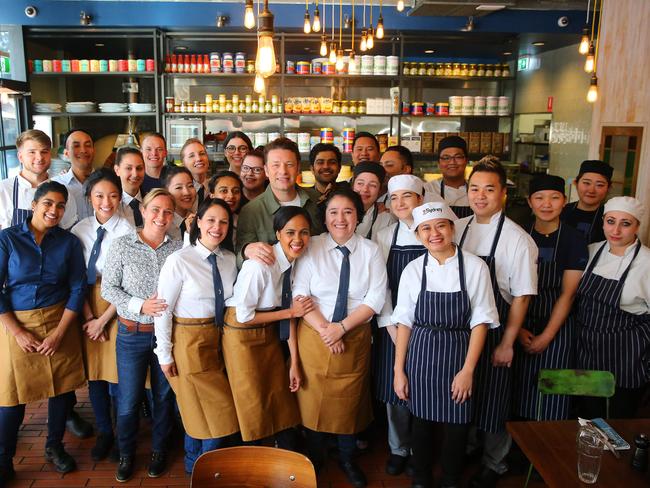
column 623, row 405
column 452, row 455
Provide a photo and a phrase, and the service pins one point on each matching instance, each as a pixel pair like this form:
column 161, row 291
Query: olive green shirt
column 255, row 222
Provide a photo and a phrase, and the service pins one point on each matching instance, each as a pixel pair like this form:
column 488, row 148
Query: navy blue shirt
column 34, row 276
column 572, row 252
column 149, row 183
column 588, row 223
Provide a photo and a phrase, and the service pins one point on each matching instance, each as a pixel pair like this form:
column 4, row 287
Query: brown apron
column 202, row 390
column 335, row 393
column 259, row 378
column 29, row 376
column 100, row 357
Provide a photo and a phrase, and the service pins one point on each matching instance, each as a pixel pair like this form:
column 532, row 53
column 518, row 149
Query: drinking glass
column 590, row 452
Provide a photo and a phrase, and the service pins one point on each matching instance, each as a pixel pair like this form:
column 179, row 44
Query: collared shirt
column 206, row 192
column 635, row 297
column 86, row 231
column 76, row 190
column 255, row 222
column 131, row 274
column 516, row 254
column 25, row 198
column 259, row 286
column 384, row 219
column 126, row 210
column 34, row 276
column 445, row 278
column 175, row 228
column 149, row 183
column 317, row 274
column 186, row 285
column 453, row 196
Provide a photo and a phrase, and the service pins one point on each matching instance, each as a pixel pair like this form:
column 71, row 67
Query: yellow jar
column 353, row 107
column 345, row 107
column 448, row 70
column 480, row 71
column 456, row 70
column 472, row 70
column 362, row 107
column 440, row 69
column 336, row 107
column 464, row 70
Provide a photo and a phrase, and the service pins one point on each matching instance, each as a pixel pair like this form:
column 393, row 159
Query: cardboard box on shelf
column 427, row 142
column 486, row 143
column 497, row 143
column 392, row 141
column 474, row 145
column 437, row 137
column 464, row 135
column 412, row 143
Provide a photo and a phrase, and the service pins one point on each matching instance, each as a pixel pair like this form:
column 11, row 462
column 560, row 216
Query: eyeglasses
column 458, row 158
column 232, row 149
column 248, row 169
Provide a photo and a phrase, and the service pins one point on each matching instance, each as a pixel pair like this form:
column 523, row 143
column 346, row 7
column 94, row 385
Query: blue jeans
column 317, row 442
column 11, row 419
column 100, row 399
column 134, row 357
column 195, row 447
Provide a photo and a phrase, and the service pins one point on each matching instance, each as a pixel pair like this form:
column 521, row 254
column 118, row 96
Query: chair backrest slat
column 576, row 382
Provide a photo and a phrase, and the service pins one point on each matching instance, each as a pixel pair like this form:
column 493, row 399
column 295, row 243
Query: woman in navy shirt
column 43, row 277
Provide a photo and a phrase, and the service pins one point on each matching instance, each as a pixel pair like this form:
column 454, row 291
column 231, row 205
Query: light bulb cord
column 353, row 26
column 600, row 18
column 340, row 24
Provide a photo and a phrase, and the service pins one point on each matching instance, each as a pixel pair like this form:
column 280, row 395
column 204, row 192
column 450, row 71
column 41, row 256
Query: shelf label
column 130, row 87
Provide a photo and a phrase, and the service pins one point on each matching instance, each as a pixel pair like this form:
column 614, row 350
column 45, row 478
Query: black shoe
column 421, row 484
column 125, row 469
column 7, row 473
column 354, row 474
column 102, row 447
column 409, row 470
column 63, row 462
column 114, row 455
column 484, row 478
column 77, row 426
column 395, row 464
column 158, row 464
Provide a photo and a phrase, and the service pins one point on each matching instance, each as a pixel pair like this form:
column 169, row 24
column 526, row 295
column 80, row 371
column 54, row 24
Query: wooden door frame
column 630, row 131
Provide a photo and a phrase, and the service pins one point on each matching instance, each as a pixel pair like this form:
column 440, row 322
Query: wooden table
column 551, row 448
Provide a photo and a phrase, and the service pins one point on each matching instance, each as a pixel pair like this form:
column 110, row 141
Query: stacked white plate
column 113, row 107
column 80, row 107
column 142, row 107
column 47, row 107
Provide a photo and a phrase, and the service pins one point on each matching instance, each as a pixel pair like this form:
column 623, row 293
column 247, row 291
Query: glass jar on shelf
column 448, row 70
column 422, row 69
column 472, row 70
column 414, row 69
column 464, row 70
column 456, row 70
column 489, row 70
column 431, row 69
column 505, row 70
column 361, row 109
column 480, row 71
column 497, row 70
column 440, row 69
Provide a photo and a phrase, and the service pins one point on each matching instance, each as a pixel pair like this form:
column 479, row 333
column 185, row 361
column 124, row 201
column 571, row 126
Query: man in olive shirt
column 255, row 226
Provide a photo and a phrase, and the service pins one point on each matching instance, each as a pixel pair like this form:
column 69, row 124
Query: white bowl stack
column 47, row 107
column 109, row 108
column 80, row 107
column 142, row 107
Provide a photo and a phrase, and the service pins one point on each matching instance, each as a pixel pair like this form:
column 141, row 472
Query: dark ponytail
column 195, row 232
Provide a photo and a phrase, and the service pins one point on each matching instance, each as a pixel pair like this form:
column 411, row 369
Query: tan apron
column 29, row 376
column 259, row 378
column 202, row 390
column 100, row 357
column 335, row 393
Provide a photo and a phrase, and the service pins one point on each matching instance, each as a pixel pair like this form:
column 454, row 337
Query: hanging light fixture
column 370, row 41
column 583, row 48
column 306, row 28
column 592, row 94
column 352, row 63
column 591, row 58
column 249, row 15
column 400, row 6
column 363, row 47
column 265, row 59
column 315, row 26
column 339, row 52
column 259, row 83
column 332, row 55
column 379, row 33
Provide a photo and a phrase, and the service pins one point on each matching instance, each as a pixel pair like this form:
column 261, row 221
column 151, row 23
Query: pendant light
column 379, row 33
column 332, row 56
column 249, row 15
column 315, row 26
column 592, row 94
column 265, row 60
column 363, row 47
column 323, row 38
column 339, row 52
column 259, row 83
column 590, row 60
column 352, row 63
column 400, row 6
column 583, row 48
column 306, row 28
column 370, row 41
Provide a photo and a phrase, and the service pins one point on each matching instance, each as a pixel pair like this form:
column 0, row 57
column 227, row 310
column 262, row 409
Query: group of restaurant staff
column 252, row 306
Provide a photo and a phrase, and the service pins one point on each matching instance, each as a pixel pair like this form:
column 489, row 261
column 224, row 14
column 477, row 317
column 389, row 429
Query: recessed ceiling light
column 506, row 53
column 348, row 50
column 429, row 51
column 538, row 43
column 99, row 44
column 491, row 7
column 181, row 48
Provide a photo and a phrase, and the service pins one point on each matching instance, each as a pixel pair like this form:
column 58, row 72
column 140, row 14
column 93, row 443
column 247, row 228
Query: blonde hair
column 157, row 192
column 33, row 135
column 191, row 140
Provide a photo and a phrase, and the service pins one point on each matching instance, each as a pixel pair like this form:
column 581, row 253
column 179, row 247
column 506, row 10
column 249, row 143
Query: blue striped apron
column 492, row 393
column 19, row 215
column 558, row 354
column 437, row 350
column 384, row 349
column 375, row 213
column 610, row 338
column 460, row 211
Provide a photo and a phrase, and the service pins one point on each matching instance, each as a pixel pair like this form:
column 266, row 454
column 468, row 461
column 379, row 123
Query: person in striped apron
column 546, row 340
column 195, row 158
column 177, row 180
column 399, row 246
column 260, row 333
column 613, row 310
column 195, row 282
column 129, row 166
column 345, row 275
column 367, row 182
column 444, row 308
column 511, row 255
column 586, row 215
column 42, row 286
column 452, row 187
column 96, row 233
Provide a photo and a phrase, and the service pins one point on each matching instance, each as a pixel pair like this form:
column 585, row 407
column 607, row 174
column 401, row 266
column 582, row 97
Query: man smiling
column 154, row 152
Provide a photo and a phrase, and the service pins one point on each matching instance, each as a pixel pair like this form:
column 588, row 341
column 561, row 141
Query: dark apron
column 375, row 213
column 383, row 347
column 492, row 393
column 558, row 354
column 610, row 338
column 587, row 229
column 437, row 350
column 19, row 215
column 460, row 211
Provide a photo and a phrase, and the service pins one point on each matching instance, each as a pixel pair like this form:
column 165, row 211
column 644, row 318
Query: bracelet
column 343, row 327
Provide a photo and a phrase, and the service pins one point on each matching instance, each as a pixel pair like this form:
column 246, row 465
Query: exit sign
column 527, row 62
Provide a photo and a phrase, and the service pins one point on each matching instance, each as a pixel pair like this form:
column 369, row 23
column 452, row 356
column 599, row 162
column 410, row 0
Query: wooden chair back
column 253, row 467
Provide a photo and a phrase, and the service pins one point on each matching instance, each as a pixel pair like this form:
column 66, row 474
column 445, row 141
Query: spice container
column 240, row 63
column 227, row 63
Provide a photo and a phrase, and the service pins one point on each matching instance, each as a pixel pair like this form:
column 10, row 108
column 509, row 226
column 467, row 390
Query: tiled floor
column 33, row 472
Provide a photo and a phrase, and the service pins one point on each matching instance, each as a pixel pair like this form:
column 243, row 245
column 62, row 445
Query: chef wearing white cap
column 399, row 246
column 613, row 311
column 444, row 308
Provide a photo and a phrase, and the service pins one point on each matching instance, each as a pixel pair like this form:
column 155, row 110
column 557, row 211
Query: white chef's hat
column 626, row 204
column 431, row 211
column 405, row 182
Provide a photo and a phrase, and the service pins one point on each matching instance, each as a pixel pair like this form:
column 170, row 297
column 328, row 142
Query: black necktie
column 341, row 307
column 94, row 254
column 200, row 195
column 183, row 228
column 219, row 302
column 137, row 216
column 286, row 303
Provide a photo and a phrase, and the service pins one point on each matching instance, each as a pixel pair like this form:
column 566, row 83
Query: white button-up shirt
column 635, row 297
column 186, row 284
column 76, row 190
column 126, row 211
column 318, row 271
column 259, row 286
column 516, row 254
column 384, row 219
column 445, row 278
column 25, row 198
column 453, row 196
column 86, row 231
